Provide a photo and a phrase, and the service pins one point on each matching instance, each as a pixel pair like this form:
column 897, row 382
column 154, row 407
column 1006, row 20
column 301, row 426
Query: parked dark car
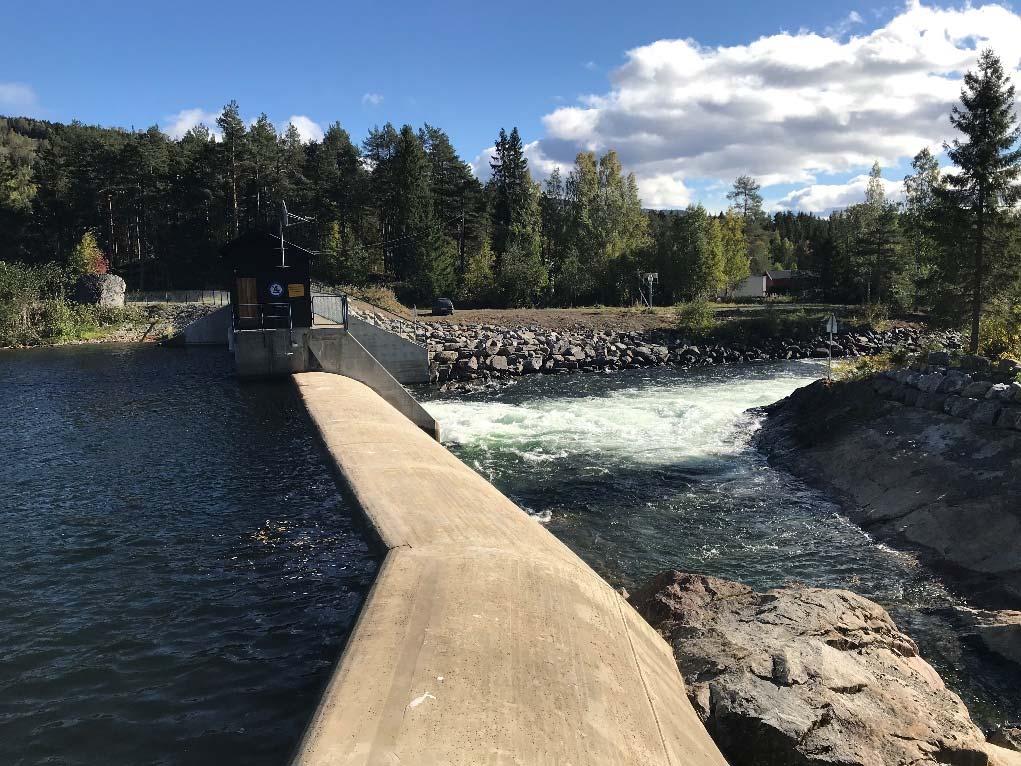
column 443, row 307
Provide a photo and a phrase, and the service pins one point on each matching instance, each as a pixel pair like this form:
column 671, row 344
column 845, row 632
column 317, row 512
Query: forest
column 403, row 210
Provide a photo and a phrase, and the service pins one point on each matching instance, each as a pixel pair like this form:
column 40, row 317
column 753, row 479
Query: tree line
column 401, row 208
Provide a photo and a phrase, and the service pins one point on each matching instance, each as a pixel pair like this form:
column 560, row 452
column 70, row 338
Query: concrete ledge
column 484, row 640
column 334, row 349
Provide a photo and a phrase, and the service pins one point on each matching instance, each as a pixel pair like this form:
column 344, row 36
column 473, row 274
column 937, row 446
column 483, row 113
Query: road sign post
column 831, row 327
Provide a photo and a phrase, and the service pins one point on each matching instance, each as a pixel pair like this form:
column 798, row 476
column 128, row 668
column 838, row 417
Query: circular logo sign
column 276, row 289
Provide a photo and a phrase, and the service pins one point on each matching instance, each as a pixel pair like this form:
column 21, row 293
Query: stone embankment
column 975, row 389
column 927, row 457
column 474, row 352
column 810, row 677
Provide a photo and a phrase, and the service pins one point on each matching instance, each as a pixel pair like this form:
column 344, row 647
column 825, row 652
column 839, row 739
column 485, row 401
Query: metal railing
column 407, row 328
column 330, row 307
column 207, row 297
column 277, row 313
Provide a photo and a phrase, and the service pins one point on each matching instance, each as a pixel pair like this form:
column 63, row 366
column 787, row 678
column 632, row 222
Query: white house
column 750, row 287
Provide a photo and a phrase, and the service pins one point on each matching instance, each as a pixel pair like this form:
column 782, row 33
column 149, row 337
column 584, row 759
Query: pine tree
column 987, row 184
column 515, row 222
column 264, row 191
column 457, row 194
column 423, row 260
column 234, row 149
column 745, row 198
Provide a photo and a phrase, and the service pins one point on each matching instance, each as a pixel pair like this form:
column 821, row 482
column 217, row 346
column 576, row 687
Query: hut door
column 248, row 299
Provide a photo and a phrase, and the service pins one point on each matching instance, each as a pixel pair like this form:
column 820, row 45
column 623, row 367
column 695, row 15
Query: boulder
column 961, row 407
column 1000, row 392
column 1007, row 736
column 999, row 631
column 938, row 358
column 977, row 389
column 987, row 412
column 100, row 289
column 973, row 362
column 806, row 676
column 929, row 384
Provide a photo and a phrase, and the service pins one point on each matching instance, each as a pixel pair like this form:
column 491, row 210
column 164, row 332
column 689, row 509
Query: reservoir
column 179, row 571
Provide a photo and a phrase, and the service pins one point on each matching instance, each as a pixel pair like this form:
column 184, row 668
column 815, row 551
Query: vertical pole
column 830, row 348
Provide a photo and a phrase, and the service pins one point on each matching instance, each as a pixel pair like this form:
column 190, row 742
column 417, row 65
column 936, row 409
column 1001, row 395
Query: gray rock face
column 999, row 631
column 944, row 485
column 100, row 289
column 806, row 676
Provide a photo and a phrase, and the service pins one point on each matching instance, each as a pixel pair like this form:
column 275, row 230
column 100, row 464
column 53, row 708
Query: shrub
column 87, row 258
column 874, row 315
column 864, row 367
column 697, row 318
column 1000, row 331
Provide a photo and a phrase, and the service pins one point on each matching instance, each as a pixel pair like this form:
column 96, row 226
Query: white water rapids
column 645, row 470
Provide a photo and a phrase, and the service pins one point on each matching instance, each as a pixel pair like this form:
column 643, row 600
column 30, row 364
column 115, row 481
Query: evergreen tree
column 264, row 189
column 457, row 194
column 987, row 184
column 423, row 260
column 746, row 198
column 515, row 222
column 234, row 151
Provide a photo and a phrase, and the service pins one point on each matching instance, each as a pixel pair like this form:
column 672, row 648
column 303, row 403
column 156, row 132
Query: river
column 179, row 571
column 645, row 470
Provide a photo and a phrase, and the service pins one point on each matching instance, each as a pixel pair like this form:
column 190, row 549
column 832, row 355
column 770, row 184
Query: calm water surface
column 178, row 573
column 643, row 471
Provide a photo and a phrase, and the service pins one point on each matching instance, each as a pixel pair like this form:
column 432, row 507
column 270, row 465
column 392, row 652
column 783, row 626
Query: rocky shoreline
column 944, row 480
column 473, row 353
column 811, row 677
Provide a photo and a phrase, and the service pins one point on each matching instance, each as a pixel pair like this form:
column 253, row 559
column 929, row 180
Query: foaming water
column 178, row 571
column 647, row 470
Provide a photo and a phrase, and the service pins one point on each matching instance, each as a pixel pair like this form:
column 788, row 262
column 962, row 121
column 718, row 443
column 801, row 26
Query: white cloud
column 823, row 198
column 539, row 165
column 666, row 191
column 17, row 95
column 844, row 25
column 372, row 99
column 180, row 123
column 785, row 108
column 308, row 129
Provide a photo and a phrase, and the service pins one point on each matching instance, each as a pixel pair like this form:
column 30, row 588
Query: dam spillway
column 484, row 638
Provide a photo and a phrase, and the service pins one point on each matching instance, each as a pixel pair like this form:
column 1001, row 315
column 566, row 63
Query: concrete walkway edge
column 484, row 639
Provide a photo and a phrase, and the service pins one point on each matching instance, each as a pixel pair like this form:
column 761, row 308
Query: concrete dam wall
column 484, row 640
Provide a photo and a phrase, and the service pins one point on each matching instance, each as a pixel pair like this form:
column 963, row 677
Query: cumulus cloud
column 372, row 99
column 824, row 198
column 17, row 95
column 539, row 165
column 180, row 123
column 786, row 108
column 308, row 129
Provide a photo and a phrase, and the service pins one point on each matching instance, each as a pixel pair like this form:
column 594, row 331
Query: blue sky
column 684, row 115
